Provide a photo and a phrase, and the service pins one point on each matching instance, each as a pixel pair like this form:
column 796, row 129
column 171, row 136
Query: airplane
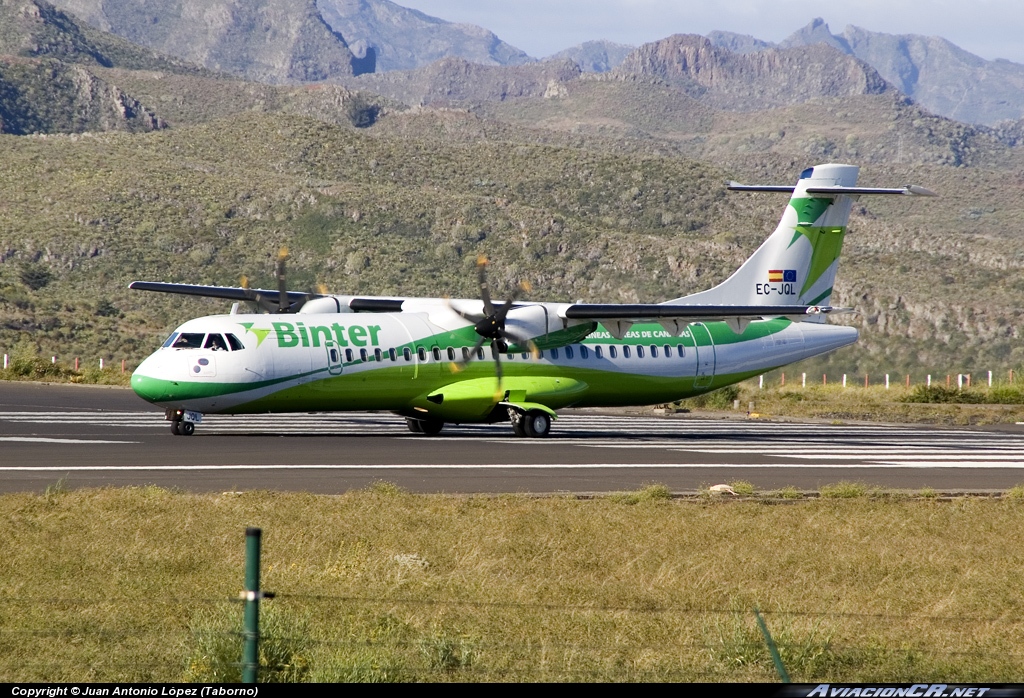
column 438, row 361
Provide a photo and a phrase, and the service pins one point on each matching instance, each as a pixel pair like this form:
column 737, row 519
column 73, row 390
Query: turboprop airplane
column 436, row 361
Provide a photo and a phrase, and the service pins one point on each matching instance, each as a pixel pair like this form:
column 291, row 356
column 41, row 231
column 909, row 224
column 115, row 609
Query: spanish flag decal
column 779, row 275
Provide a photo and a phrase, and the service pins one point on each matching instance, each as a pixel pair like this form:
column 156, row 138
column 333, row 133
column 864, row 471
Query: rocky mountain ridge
column 933, row 71
column 400, row 38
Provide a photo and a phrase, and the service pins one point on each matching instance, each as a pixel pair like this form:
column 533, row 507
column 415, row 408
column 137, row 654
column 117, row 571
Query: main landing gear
column 535, row 424
column 430, row 427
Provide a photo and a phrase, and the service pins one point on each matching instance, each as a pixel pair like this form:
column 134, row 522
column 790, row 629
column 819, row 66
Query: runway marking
column 49, row 440
column 511, row 466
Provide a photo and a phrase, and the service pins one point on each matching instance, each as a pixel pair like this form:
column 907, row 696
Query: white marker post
column 929, row 383
column 5, row 362
column 803, row 380
column 844, row 380
column 101, row 364
column 990, row 379
column 760, row 382
column 886, row 381
column 959, row 381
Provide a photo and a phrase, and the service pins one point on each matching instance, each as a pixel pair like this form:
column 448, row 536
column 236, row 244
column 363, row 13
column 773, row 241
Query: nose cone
column 147, row 386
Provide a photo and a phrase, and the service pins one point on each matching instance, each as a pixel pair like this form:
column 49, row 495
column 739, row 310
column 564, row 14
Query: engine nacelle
column 327, row 304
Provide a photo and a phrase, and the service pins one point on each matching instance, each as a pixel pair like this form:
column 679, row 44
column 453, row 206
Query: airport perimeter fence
column 314, row 637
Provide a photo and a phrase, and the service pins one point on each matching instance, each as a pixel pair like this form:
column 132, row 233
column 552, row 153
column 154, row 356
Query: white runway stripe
column 495, row 466
column 791, row 445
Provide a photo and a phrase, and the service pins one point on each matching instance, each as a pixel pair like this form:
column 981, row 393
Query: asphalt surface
column 95, row 436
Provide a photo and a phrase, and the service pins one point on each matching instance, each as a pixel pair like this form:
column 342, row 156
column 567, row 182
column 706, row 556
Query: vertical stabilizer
column 797, row 264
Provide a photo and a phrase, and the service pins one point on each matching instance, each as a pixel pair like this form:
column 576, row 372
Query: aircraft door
column 335, row 359
column 705, row 350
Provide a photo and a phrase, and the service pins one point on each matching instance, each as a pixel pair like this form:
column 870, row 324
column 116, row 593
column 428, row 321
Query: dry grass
column 382, row 585
column 857, row 403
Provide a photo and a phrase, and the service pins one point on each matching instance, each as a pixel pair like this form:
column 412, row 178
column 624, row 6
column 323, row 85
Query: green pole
column 771, row 647
column 251, row 631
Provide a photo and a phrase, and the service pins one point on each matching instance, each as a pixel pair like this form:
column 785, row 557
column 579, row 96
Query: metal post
column 251, row 631
column 772, row 649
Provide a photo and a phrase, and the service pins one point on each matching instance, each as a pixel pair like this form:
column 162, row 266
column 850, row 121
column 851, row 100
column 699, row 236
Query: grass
column 919, row 404
column 137, row 585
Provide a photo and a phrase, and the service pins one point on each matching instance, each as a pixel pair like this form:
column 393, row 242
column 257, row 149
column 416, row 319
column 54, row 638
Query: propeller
column 282, row 305
column 491, row 327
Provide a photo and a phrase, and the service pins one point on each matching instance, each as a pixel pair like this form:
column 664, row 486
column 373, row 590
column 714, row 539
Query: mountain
column 275, row 41
column 595, row 56
column 748, row 82
column 933, row 71
column 49, row 96
column 455, row 81
column 399, row 38
column 738, row 43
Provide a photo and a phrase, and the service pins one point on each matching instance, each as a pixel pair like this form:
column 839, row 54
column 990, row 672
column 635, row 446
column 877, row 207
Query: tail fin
column 797, row 264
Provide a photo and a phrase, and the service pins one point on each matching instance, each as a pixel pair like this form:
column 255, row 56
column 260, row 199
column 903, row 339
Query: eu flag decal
column 783, row 275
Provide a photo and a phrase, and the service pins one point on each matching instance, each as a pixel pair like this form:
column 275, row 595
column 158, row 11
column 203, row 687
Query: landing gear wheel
column 431, row 427
column 536, row 424
column 415, row 425
column 186, row 428
column 174, row 427
column 519, row 426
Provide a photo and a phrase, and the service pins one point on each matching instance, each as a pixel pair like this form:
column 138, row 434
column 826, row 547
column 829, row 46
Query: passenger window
column 540, row 353
column 465, row 353
column 170, row 340
column 334, row 355
column 436, row 351
column 392, row 354
column 407, row 354
column 554, row 353
column 348, row 355
column 451, row 354
column 235, row 343
column 480, row 353
column 422, row 353
column 639, row 352
column 362, row 355
column 189, row 340
column 377, row 355
column 583, row 352
column 654, row 352
column 668, row 352
column 214, row 342
column 509, row 356
column 612, row 354
column 680, row 350
column 568, row 352
column 526, row 355
column 625, row 352
column 598, row 353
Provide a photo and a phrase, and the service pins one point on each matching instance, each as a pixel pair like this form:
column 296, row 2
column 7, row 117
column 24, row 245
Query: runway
column 109, row 437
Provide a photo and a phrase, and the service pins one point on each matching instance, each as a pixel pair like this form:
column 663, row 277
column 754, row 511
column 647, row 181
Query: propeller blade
column 485, row 290
column 282, row 286
column 459, row 366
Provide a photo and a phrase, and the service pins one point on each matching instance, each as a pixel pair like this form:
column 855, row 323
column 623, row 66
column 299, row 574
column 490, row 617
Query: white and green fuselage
column 412, row 356
column 405, row 362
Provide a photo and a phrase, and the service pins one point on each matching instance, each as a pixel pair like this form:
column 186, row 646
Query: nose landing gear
column 183, row 422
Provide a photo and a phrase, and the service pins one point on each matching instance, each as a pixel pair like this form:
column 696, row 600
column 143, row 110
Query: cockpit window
column 189, row 340
column 170, row 340
column 215, row 342
column 235, row 343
